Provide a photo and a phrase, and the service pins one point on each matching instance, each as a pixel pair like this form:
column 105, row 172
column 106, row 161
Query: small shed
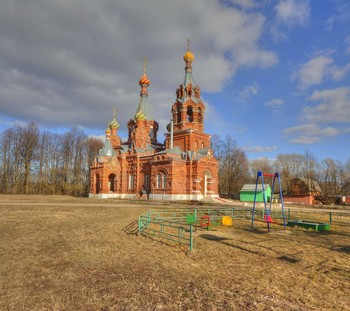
column 246, row 194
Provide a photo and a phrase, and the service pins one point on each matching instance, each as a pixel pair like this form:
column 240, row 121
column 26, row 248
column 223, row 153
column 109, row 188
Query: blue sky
column 273, row 74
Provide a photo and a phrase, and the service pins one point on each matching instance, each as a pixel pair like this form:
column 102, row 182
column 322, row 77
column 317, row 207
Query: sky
column 274, row 75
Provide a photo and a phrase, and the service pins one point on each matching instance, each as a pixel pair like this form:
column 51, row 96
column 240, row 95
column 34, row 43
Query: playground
column 63, row 253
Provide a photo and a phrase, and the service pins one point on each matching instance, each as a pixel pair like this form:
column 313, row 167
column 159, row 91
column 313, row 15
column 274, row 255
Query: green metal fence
column 214, row 213
column 177, row 225
column 334, row 217
column 170, row 230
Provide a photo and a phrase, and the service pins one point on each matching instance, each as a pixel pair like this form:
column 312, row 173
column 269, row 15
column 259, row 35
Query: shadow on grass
column 222, row 239
column 288, row 259
column 211, row 237
column 132, row 228
column 342, row 248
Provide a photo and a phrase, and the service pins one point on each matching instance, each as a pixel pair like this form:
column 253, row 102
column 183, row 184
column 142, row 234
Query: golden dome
column 188, row 56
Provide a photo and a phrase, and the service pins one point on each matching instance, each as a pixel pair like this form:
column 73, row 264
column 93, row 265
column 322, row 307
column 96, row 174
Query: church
column 181, row 168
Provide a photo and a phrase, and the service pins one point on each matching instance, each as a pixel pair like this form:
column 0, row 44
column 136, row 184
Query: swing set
column 267, row 210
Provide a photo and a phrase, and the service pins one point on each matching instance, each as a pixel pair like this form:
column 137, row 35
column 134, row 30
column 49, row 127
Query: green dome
column 114, row 124
column 140, row 116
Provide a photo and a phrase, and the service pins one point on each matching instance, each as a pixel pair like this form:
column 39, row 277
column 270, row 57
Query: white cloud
column 314, row 71
column 248, row 92
column 259, row 148
column 340, row 14
column 289, row 14
column 311, row 133
column 275, row 102
column 68, row 63
column 319, row 69
column 334, row 106
column 293, row 12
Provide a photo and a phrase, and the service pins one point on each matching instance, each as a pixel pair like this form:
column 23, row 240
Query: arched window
column 131, row 181
column 178, row 115
column 97, row 183
column 189, row 114
column 112, row 182
column 161, row 180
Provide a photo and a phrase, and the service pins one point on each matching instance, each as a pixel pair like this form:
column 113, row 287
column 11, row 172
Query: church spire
column 188, row 58
column 142, row 111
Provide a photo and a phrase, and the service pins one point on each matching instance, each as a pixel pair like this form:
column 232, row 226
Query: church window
column 161, row 180
column 112, row 182
column 189, row 114
column 178, row 115
column 131, row 182
column 202, row 145
column 196, row 144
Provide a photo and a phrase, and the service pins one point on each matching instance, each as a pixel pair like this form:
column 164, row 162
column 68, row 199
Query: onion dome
column 188, row 56
column 114, row 124
column 140, row 115
column 168, row 127
column 144, row 80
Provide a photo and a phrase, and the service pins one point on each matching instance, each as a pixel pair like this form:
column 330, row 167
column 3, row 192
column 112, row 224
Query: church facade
column 181, row 168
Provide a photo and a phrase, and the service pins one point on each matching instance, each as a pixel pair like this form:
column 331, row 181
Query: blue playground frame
column 268, row 211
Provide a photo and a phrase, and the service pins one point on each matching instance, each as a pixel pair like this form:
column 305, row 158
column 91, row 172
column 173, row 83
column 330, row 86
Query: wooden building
column 303, row 191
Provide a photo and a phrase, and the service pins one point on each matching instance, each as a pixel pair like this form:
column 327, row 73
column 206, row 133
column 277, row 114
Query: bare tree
column 233, row 168
column 29, row 138
column 92, row 147
column 344, row 178
column 263, row 164
column 329, row 180
column 290, row 167
column 11, row 160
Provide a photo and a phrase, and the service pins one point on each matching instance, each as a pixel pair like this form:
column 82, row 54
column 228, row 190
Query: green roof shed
column 248, row 191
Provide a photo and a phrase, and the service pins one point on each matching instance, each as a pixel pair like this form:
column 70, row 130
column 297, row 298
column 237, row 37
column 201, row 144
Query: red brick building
column 181, row 168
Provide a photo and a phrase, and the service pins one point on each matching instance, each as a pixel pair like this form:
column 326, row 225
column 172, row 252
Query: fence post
column 195, row 215
column 191, row 238
column 140, row 225
column 288, row 213
column 330, row 217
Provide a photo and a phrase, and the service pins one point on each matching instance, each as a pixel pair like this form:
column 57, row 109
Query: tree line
column 41, row 162
column 235, row 170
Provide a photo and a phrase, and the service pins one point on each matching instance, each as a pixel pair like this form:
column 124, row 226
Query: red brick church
column 181, row 168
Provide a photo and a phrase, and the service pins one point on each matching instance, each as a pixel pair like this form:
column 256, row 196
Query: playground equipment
column 267, row 211
column 179, row 225
column 309, row 225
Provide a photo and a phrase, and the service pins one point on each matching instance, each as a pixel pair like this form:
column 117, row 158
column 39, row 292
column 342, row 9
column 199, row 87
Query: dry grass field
column 63, row 253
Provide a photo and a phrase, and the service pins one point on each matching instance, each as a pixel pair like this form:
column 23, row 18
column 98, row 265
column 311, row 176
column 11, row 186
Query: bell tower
column 142, row 128
column 188, row 113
